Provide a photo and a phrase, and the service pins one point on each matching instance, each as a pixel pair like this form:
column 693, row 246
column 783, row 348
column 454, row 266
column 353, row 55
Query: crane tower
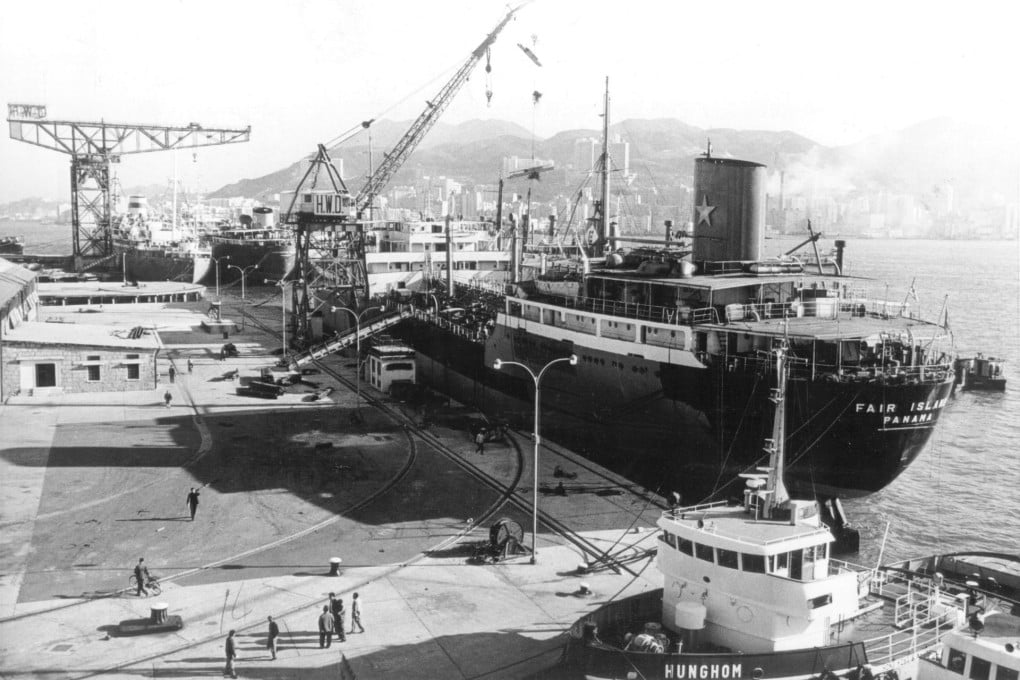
column 93, row 147
column 328, row 226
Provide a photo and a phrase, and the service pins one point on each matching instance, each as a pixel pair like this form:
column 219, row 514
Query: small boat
column 12, row 245
column 980, row 373
column 986, row 643
column 752, row 591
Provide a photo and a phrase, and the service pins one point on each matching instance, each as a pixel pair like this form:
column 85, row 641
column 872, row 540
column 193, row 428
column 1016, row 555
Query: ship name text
column 893, row 414
column 703, row 671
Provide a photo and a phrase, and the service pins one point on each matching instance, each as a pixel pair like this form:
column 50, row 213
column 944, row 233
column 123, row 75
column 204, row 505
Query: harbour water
column 963, row 492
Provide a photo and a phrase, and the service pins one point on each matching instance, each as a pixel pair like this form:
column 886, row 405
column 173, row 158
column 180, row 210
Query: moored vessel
column 12, row 245
column 256, row 240
column 154, row 249
column 672, row 384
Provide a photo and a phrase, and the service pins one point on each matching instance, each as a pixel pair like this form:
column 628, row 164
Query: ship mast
column 604, row 198
column 776, row 446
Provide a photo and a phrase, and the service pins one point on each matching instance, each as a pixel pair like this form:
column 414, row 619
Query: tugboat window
column 703, row 552
column 957, row 660
column 980, row 669
column 727, row 558
column 753, row 563
column 1003, row 673
column 686, row 547
column 668, row 538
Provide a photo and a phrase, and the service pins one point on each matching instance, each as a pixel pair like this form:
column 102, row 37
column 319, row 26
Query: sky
column 300, row 72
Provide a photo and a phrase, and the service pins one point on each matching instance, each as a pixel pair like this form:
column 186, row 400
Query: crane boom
column 92, row 146
column 435, row 107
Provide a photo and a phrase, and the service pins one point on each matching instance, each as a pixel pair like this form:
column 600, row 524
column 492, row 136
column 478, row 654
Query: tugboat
column 980, row 373
column 751, row 591
column 986, row 644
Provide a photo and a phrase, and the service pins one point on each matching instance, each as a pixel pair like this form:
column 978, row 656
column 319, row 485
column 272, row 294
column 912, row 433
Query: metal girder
column 92, row 147
column 90, row 206
column 117, row 139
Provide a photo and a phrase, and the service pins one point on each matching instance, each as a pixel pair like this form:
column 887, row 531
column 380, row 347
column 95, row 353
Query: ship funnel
column 138, row 205
column 729, row 210
column 263, row 217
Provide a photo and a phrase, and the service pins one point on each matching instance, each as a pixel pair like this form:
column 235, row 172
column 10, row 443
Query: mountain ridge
column 912, row 159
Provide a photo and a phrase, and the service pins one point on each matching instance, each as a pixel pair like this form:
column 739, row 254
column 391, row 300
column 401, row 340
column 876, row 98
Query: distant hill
column 662, row 150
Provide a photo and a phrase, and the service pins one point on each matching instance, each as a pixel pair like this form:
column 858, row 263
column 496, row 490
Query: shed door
column 45, row 375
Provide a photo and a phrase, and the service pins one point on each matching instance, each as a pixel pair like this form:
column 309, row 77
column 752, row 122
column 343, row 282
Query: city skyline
column 301, row 73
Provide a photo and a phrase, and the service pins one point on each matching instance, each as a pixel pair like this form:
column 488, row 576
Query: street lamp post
column 537, row 379
column 283, row 315
column 244, row 274
column 217, row 261
column 357, row 341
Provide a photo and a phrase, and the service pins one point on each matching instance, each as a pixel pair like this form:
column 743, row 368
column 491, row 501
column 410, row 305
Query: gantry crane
column 329, row 234
column 93, row 147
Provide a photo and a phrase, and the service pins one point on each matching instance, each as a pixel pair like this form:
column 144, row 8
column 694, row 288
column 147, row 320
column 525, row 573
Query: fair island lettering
column 913, row 413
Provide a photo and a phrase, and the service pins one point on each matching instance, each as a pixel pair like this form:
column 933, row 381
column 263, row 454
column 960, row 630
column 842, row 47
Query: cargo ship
column 672, row 383
column 255, row 240
column 152, row 248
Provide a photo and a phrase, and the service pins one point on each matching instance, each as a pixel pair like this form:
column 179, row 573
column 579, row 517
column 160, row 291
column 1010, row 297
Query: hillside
column 662, row 150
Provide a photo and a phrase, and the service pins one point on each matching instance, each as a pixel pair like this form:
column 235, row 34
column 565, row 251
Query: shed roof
column 88, row 335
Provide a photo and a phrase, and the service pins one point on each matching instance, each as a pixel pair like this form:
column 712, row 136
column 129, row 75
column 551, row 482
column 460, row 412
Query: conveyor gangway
column 350, row 338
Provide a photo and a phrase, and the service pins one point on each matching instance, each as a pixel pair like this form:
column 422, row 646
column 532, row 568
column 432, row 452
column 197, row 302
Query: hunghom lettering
column 703, row 671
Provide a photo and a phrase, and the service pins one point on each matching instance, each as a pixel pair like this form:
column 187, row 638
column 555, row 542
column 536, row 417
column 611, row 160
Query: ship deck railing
column 472, row 332
column 803, row 368
column 923, row 614
column 821, row 308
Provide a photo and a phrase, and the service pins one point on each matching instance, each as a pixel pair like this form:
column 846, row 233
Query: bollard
column 158, row 612
column 334, row 566
column 584, row 589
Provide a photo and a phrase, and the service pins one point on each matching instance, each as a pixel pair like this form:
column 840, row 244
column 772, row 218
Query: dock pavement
column 91, row 482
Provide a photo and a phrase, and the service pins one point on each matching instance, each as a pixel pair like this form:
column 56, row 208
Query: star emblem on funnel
column 704, row 211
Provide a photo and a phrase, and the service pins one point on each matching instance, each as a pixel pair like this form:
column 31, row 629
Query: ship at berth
column 672, row 385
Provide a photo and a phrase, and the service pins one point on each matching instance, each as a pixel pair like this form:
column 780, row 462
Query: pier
column 287, row 486
column 111, row 293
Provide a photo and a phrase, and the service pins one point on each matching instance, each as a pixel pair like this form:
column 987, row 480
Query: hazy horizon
column 300, row 73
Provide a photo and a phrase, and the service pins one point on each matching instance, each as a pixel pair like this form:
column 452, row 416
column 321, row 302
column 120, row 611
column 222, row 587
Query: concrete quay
column 90, row 483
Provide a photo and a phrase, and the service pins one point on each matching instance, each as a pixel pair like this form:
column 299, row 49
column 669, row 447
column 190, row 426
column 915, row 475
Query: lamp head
column 497, row 364
column 573, row 360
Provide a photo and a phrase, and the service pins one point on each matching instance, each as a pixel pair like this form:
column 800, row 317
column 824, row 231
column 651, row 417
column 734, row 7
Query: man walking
column 193, row 502
column 167, row 398
column 336, row 607
column 141, row 575
column 173, row 373
column 480, row 442
column 325, row 628
column 274, row 633
column 356, row 614
column 231, row 651
column 190, row 365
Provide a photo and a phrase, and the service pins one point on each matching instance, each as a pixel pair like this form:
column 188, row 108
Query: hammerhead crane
column 93, row 147
column 330, row 241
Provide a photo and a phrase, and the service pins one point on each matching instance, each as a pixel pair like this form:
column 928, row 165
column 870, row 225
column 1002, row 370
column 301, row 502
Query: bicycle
column 151, row 584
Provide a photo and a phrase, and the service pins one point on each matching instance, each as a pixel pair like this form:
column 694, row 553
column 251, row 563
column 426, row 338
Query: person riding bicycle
column 142, row 577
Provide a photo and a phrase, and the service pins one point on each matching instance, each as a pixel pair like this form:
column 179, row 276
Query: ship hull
column 592, row 659
column 692, row 430
column 139, row 265
column 275, row 260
